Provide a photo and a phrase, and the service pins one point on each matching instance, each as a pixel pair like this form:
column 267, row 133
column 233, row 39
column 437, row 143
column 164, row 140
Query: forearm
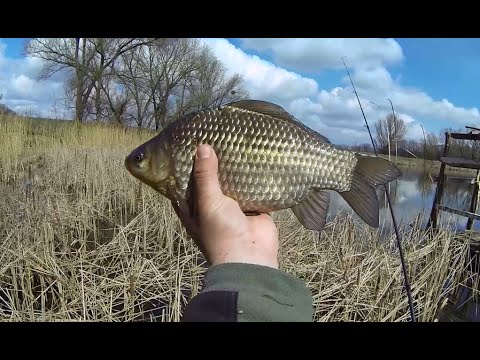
column 246, row 292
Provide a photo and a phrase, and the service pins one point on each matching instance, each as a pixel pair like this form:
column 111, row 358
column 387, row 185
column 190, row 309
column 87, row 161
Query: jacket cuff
column 264, row 293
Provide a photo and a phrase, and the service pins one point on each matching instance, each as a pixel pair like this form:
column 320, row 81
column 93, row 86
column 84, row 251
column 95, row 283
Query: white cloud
column 262, row 78
column 372, row 78
column 316, row 54
column 335, row 112
column 405, row 117
column 407, row 189
column 414, row 132
column 22, row 91
column 22, row 84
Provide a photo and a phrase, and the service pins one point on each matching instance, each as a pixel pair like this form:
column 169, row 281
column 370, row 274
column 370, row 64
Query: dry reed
column 81, row 240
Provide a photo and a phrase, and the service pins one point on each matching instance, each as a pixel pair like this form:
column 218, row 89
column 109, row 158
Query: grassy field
column 80, row 240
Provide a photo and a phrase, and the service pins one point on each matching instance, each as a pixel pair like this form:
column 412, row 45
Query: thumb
column 205, row 172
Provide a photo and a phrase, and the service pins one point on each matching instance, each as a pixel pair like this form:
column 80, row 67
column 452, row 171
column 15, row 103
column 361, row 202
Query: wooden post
column 474, row 202
column 437, row 200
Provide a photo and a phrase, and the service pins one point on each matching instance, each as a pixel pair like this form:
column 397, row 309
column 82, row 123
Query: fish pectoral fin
column 312, row 211
column 362, row 198
column 190, row 197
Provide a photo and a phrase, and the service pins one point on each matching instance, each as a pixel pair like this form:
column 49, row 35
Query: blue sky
column 433, row 82
column 447, row 68
column 442, row 67
column 14, row 47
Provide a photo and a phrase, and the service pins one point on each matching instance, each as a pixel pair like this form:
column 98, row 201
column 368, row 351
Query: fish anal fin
column 312, row 211
column 189, row 201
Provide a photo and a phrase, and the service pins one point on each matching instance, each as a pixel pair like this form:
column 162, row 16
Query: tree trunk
column 78, row 70
column 98, row 105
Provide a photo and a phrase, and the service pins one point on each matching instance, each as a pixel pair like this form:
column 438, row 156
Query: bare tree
column 5, row 110
column 117, row 99
column 137, row 81
column 131, row 76
column 390, row 130
column 475, row 150
column 169, row 62
column 182, row 75
column 432, row 151
column 210, row 85
column 85, row 58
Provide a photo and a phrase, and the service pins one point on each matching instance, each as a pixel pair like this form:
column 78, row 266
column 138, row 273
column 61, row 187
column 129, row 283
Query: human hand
column 221, row 230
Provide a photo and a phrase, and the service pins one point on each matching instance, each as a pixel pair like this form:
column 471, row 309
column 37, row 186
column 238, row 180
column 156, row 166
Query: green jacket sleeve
column 247, row 292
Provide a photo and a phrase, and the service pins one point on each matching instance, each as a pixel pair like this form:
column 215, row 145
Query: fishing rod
column 399, row 244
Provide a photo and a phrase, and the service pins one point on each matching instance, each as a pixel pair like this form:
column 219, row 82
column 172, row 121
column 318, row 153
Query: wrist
column 244, row 260
column 252, row 257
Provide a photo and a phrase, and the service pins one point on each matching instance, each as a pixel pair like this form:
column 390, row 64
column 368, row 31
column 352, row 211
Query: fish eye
column 139, row 157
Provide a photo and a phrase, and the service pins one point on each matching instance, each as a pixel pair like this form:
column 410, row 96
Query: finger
column 208, row 189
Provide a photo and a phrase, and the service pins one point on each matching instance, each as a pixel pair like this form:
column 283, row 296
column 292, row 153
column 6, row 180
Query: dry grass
column 80, row 240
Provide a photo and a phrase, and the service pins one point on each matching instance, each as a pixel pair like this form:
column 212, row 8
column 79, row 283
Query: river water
column 412, row 194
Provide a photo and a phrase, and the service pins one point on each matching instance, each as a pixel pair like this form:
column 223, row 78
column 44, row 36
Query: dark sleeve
column 246, row 292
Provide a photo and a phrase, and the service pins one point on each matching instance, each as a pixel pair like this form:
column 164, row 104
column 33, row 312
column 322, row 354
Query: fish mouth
column 128, row 165
column 137, row 162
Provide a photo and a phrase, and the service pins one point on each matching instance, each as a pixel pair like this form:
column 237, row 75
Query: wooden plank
column 475, row 130
column 460, row 162
column 465, row 136
column 460, row 212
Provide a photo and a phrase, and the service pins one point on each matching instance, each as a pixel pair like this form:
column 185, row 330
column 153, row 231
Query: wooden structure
column 474, row 135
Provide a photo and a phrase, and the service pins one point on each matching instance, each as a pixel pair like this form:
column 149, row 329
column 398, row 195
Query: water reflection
column 412, row 195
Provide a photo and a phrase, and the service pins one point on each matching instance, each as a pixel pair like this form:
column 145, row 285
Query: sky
column 431, row 82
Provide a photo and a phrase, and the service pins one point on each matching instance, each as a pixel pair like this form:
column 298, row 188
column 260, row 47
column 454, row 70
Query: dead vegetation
column 80, row 240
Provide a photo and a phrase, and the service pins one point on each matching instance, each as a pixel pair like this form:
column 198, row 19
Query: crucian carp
column 268, row 160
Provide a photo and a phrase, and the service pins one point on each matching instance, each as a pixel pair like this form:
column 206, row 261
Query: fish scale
column 268, row 161
column 274, row 153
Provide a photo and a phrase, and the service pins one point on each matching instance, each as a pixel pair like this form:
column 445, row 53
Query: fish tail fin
column 369, row 172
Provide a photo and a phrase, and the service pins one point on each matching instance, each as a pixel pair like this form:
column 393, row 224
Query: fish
column 268, row 160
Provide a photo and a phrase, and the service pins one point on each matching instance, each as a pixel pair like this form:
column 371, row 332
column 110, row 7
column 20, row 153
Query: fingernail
column 203, row 152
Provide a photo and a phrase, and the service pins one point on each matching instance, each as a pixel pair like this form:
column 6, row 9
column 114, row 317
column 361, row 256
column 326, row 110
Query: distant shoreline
column 430, row 166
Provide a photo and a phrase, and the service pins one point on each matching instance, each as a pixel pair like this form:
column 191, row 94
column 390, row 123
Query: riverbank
column 431, row 167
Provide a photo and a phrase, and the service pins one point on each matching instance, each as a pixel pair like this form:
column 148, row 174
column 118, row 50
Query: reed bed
column 82, row 240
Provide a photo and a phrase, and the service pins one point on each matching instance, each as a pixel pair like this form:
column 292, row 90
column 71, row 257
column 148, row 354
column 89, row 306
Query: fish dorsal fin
column 263, row 107
column 270, row 109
